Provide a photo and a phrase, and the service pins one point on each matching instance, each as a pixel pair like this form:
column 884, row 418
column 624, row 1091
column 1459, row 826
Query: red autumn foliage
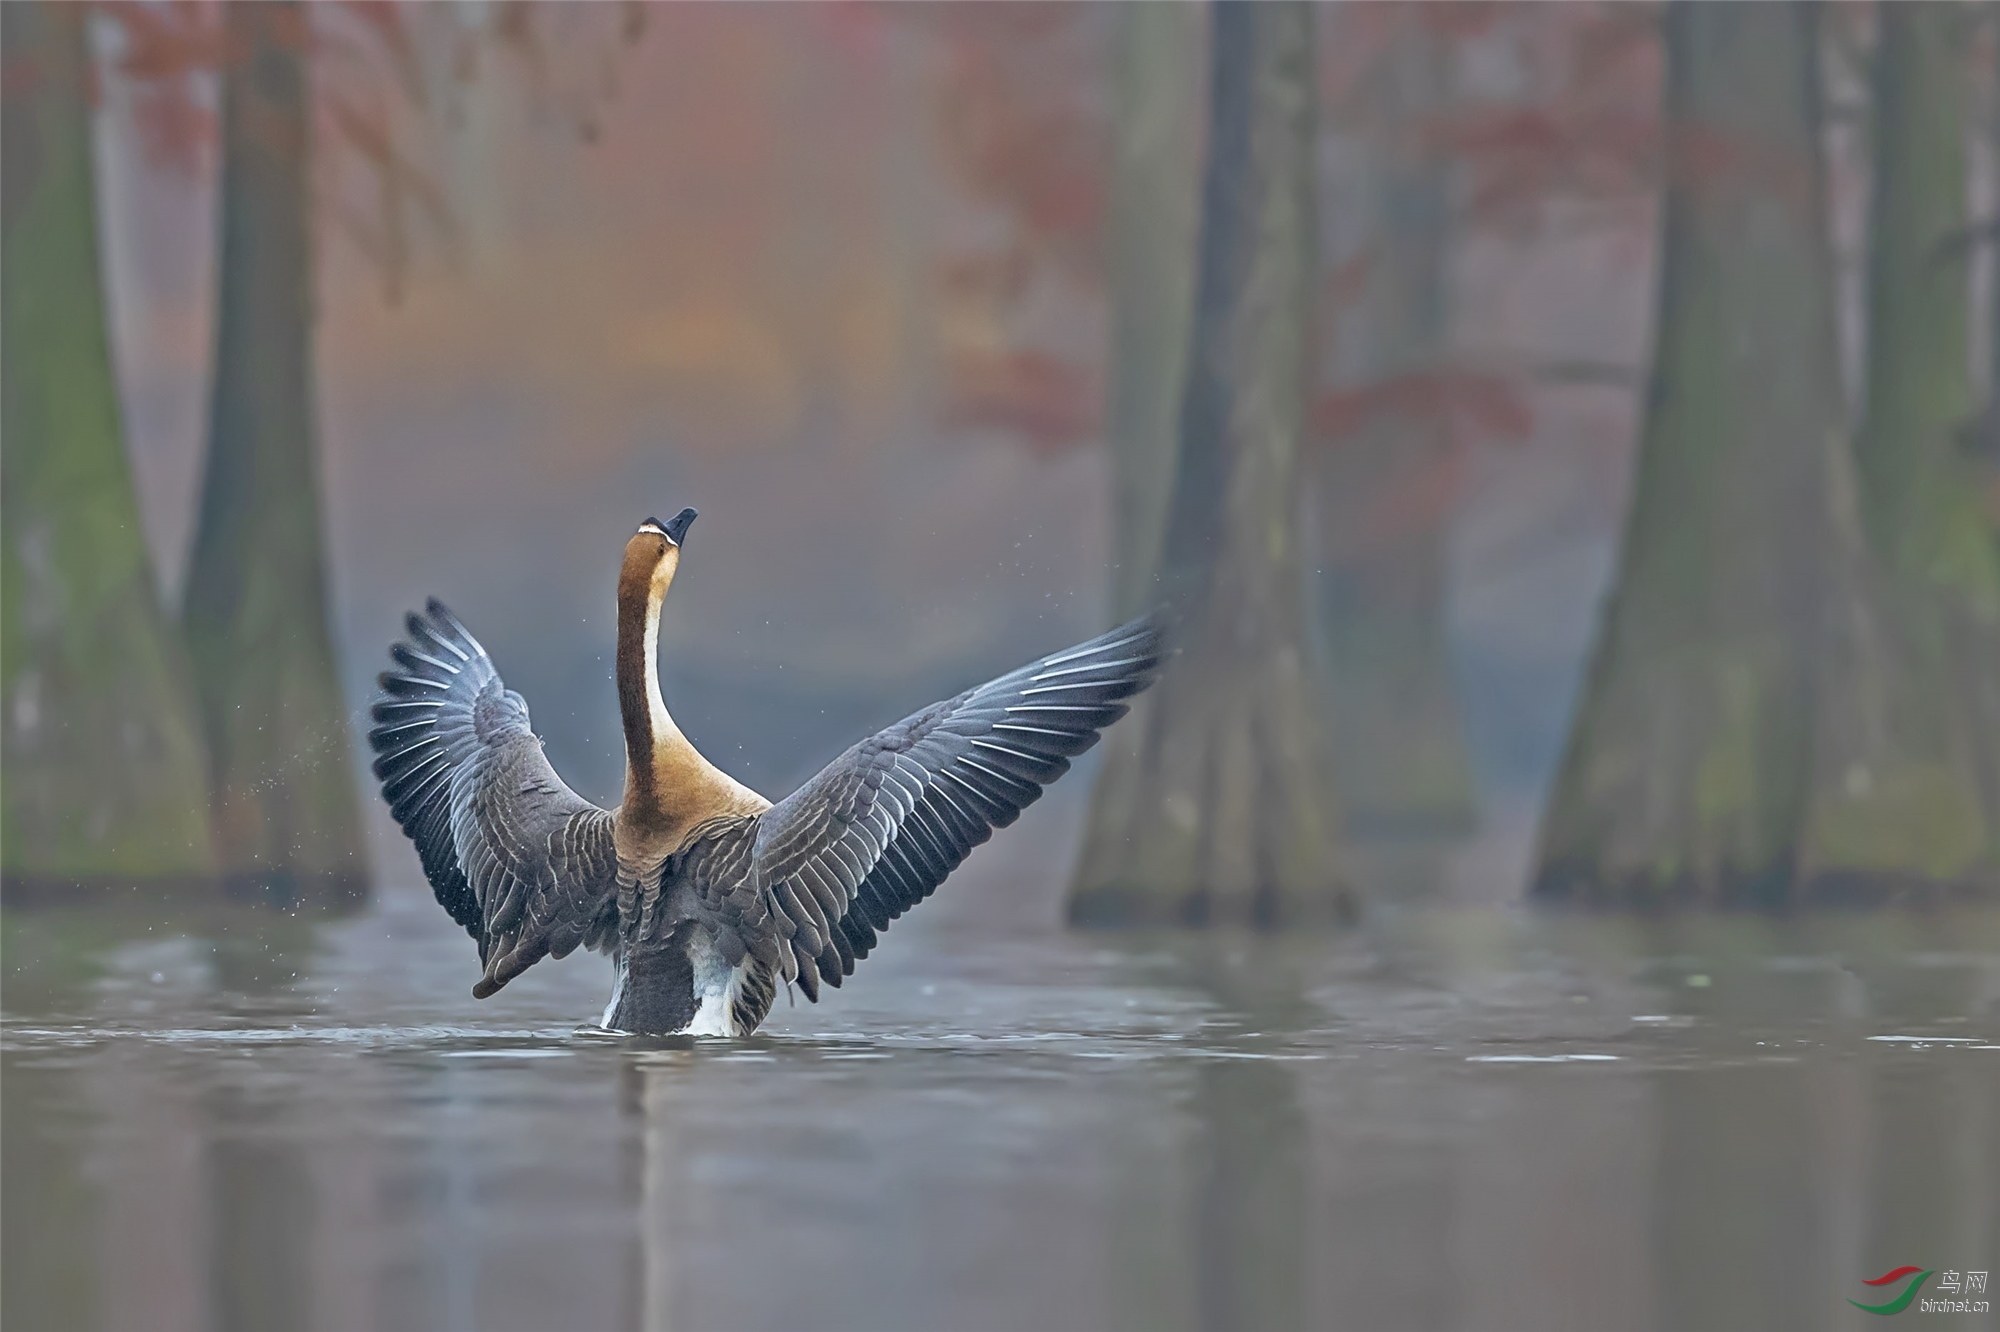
column 1582, row 122
column 1023, row 119
column 368, row 82
column 1051, row 403
column 1024, row 128
column 166, row 50
column 1589, row 126
column 1470, row 404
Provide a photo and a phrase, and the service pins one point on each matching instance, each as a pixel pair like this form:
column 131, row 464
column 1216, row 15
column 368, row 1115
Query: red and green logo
column 1916, row 1276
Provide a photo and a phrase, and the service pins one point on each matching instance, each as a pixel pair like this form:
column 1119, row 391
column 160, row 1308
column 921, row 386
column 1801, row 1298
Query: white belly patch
column 715, row 985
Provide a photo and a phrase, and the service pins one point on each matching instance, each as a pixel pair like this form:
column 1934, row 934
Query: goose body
column 706, row 895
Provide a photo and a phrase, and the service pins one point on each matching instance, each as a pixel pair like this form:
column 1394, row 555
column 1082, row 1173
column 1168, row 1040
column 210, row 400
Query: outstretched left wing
column 879, row 828
column 525, row 864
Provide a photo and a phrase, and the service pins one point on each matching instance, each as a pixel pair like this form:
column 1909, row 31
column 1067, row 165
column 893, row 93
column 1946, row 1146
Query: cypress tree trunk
column 1919, row 495
column 1755, row 728
column 104, row 781
column 1919, row 485
column 1155, row 213
column 1686, row 771
column 1687, row 765
column 1399, row 748
column 1215, row 804
column 256, row 611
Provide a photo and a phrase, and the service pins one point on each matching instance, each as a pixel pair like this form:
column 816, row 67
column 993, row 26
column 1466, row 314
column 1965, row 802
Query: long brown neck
column 649, row 729
column 669, row 786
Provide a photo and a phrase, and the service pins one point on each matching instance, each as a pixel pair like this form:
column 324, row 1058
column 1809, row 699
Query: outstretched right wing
column 879, row 828
column 525, row 864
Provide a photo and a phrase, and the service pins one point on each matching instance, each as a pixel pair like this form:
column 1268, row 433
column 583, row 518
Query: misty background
column 866, row 285
column 745, row 290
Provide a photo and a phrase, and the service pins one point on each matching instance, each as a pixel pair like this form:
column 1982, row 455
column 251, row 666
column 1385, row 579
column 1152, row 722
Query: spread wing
column 879, row 828
column 525, row 864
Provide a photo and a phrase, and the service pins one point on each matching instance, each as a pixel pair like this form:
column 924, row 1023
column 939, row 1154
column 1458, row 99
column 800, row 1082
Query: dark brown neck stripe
column 635, row 594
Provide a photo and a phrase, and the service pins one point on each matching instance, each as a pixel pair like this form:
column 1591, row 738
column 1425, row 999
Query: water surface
column 1450, row 1118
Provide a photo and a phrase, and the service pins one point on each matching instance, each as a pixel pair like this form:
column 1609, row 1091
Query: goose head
column 654, row 554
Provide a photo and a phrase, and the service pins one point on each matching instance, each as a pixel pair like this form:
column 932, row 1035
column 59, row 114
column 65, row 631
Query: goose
column 707, row 896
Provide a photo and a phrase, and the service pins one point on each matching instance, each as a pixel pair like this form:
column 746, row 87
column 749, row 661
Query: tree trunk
column 1919, row 489
column 104, row 782
column 1215, row 804
column 256, row 611
column 1399, row 749
column 1686, row 770
column 1687, row 766
column 1753, row 730
column 1155, row 212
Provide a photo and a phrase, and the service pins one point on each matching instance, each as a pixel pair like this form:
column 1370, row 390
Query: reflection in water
column 1935, row 1162
column 1250, row 1158
column 1250, row 1196
column 1452, row 1120
column 48, row 1211
column 260, row 1203
column 1735, row 1197
column 1737, row 1188
column 664, row 1184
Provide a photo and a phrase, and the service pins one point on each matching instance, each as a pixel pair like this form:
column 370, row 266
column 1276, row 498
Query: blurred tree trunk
column 1215, row 804
column 1752, row 729
column 256, row 610
column 104, row 775
column 1155, row 214
column 1917, row 486
column 1399, row 748
column 1686, row 770
column 1920, row 485
column 1981, row 436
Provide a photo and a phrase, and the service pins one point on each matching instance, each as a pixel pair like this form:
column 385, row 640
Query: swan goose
column 706, row 895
